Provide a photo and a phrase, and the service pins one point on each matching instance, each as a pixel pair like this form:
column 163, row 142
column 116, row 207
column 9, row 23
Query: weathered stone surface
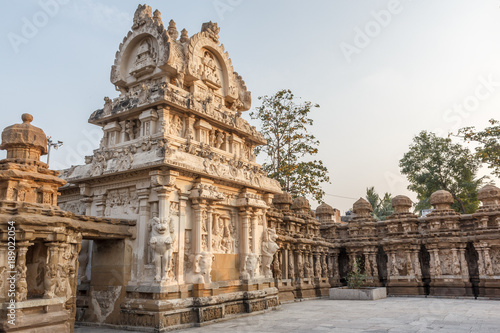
column 344, row 293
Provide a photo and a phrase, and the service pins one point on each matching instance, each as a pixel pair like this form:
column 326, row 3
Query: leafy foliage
column 284, row 125
column 488, row 151
column 382, row 207
column 355, row 278
column 434, row 163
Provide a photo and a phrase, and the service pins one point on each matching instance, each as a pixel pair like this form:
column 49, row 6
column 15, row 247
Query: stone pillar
column 291, row 264
column 368, row 268
column 141, row 249
column 255, row 219
column 416, row 264
column 210, row 212
column 163, row 119
column 4, row 268
column 299, row 264
column 183, row 198
column 88, row 205
column 352, row 260
column 21, row 283
column 335, row 264
column 485, row 266
column 463, row 263
column 409, row 263
column 324, row 265
column 199, row 206
column 100, row 202
column 284, row 263
column 244, row 232
column 456, row 268
column 163, row 201
column 317, row 265
column 435, row 262
column 122, row 131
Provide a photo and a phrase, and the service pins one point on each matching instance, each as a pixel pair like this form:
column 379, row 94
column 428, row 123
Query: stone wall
column 442, row 254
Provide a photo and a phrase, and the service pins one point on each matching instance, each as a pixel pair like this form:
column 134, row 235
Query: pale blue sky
column 424, row 67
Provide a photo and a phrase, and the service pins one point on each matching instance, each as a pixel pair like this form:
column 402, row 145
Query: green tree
column 434, row 163
column 284, row 124
column 382, row 207
column 488, row 140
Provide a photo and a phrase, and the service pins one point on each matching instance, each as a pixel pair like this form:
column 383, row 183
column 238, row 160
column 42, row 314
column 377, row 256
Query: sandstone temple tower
column 177, row 157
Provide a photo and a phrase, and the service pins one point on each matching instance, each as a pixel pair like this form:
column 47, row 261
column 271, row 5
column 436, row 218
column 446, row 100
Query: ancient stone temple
column 176, row 157
column 39, row 242
column 171, row 223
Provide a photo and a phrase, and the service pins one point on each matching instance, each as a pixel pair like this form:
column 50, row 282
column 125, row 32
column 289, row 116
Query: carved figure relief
column 202, row 267
column 121, row 202
column 175, row 125
column 251, row 265
column 161, row 245
column 145, row 59
column 269, row 248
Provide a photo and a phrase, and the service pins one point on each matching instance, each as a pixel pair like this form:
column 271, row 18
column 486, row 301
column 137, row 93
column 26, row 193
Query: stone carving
column 141, row 16
column 125, row 160
column 269, row 248
column 250, row 267
column 83, row 261
column 161, row 245
column 121, row 202
column 175, row 125
column 277, row 271
column 212, row 29
column 291, row 268
column 308, row 268
column 300, row 266
column 202, row 267
column 99, row 164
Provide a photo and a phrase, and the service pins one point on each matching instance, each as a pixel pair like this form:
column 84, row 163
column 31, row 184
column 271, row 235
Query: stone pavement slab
column 393, row 314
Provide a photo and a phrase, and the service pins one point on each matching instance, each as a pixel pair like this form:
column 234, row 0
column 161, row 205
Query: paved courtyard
column 393, row 314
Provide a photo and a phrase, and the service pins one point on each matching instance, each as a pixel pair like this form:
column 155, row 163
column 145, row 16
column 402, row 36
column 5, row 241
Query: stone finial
column 489, row 195
column 212, row 29
column 23, row 178
column 283, row 198
column 141, row 16
column 24, row 141
column 442, row 200
column 172, row 30
column 157, row 17
column 324, row 209
column 401, row 204
column 362, row 208
column 184, row 36
column 301, row 204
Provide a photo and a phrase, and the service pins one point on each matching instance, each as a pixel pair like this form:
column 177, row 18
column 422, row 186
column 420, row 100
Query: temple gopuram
column 171, row 223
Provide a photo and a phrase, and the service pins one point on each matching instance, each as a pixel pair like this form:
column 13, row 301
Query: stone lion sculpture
column 269, row 248
column 161, row 247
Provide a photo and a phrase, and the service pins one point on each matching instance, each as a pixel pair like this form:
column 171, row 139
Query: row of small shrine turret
column 439, row 254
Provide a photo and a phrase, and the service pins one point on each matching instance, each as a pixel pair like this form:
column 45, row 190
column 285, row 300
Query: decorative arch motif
column 154, row 47
column 234, row 87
